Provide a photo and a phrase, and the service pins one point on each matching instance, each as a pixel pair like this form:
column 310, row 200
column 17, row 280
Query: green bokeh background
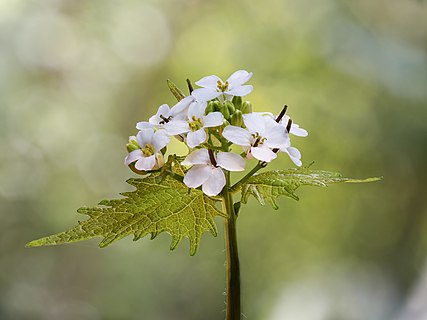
column 75, row 77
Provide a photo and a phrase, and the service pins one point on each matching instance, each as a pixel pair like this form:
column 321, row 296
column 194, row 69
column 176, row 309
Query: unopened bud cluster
column 209, row 122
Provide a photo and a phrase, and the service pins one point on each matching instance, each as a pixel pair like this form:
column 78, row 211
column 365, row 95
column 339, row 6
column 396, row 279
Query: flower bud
column 224, row 111
column 230, row 107
column 175, row 90
column 217, row 105
column 237, row 101
column 246, row 107
column 237, row 118
column 210, row 108
column 132, row 146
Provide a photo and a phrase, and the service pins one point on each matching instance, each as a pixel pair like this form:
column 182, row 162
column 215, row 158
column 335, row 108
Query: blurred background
column 75, row 77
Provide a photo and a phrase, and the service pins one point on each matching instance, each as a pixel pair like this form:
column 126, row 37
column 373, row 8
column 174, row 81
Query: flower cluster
column 209, row 122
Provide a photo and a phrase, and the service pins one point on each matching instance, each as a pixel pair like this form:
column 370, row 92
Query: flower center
column 222, row 86
column 195, row 124
column 148, row 150
column 258, row 139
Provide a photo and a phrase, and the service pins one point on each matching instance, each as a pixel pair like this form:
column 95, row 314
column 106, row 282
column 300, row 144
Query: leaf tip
column 32, row 244
column 83, row 210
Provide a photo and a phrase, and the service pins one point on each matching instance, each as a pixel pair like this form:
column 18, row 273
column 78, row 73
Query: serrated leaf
column 268, row 186
column 159, row 204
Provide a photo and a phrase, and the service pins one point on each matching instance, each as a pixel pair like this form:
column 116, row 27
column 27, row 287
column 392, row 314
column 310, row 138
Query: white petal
column 213, row 119
column 238, row 78
column 205, row 94
column 200, row 156
column 255, row 123
column 263, row 153
column 230, row 161
column 160, row 140
column 177, row 127
column 297, row 131
column 240, row 91
column 209, row 82
column 215, row 182
column 144, row 125
column 145, row 137
column 146, row 163
column 277, row 137
column 196, row 138
column 197, row 175
column 270, row 121
column 133, row 156
column 237, row 135
column 163, row 111
column 295, row 155
column 181, row 107
column 196, row 110
column 154, row 120
column 132, row 138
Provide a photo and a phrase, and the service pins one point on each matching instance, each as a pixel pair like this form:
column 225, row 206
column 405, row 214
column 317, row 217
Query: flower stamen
column 258, row 139
column 148, row 150
column 212, row 158
column 222, row 86
column 164, row 119
column 195, row 124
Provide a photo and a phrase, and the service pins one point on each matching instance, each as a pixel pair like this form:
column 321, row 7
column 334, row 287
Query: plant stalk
column 233, row 303
column 254, row 170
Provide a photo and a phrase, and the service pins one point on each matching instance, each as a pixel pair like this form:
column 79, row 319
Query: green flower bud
column 230, row 107
column 237, row 101
column 246, row 107
column 132, row 146
column 210, row 108
column 224, row 111
column 237, row 118
column 217, row 105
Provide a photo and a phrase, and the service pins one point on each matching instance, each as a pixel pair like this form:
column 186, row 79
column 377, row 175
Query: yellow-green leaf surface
column 267, row 186
column 159, row 204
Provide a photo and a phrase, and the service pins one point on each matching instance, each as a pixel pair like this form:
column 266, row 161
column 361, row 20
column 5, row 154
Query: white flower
column 195, row 124
column 295, row 128
column 213, row 86
column 165, row 114
column 262, row 134
column 149, row 156
column 208, row 175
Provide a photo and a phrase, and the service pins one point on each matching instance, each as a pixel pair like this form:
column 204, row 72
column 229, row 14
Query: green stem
column 233, row 304
column 255, row 169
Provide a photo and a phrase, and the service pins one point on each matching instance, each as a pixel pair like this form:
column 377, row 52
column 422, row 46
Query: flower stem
column 233, row 304
column 254, row 170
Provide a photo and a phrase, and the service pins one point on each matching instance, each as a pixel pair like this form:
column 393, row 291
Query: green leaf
column 158, row 204
column 267, row 186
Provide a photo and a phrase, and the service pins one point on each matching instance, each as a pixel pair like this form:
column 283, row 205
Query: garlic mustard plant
column 182, row 194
